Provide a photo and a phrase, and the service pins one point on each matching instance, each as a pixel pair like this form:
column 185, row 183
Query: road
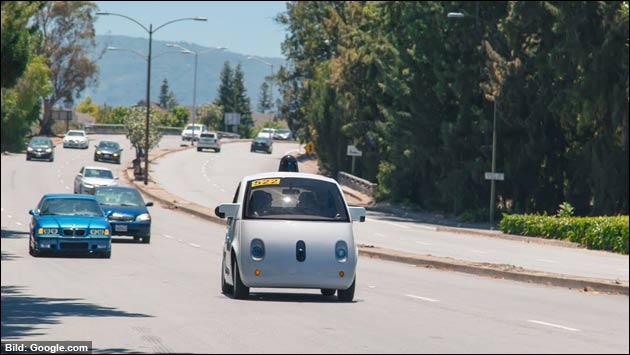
column 210, row 179
column 165, row 296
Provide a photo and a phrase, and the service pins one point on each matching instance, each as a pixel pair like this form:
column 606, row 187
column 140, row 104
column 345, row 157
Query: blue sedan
column 69, row 223
column 126, row 210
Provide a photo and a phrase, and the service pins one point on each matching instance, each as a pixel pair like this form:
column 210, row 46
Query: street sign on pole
column 232, row 118
column 353, row 151
column 494, row 176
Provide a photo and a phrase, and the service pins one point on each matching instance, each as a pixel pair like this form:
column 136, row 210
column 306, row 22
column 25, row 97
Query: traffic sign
column 232, row 118
column 353, row 151
column 494, row 176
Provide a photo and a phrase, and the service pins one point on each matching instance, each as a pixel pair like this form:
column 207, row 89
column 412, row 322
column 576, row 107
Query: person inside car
column 288, row 163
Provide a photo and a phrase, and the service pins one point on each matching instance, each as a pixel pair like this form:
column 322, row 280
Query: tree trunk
column 45, row 126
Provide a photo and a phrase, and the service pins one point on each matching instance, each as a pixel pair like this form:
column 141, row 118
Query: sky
column 245, row 27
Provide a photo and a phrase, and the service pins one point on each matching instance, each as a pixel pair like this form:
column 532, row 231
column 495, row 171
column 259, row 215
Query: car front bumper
column 73, row 245
column 133, row 229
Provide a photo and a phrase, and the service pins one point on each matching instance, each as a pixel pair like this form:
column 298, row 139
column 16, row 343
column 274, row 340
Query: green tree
column 67, row 33
column 135, row 123
column 88, row 106
column 21, row 105
column 211, row 115
column 17, row 39
column 225, row 95
column 167, row 97
column 180, row 116
column 264, row 98
column 242, row 103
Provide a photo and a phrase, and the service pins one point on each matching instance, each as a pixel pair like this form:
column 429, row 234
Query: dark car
column 288, row 163
column 40, row 148
column 126, row 210
column 69, row 223
column 262, row 143
column 108, row 151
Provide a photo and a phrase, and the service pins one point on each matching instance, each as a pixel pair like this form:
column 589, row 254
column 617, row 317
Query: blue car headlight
column 145, row 217
column 257, row 249
column 99, row 231
column 341, row 251
column 47, row 231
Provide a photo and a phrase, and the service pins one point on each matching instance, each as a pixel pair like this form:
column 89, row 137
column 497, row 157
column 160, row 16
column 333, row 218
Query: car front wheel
column 225, row 287
column 347, row 295
column 240, row 291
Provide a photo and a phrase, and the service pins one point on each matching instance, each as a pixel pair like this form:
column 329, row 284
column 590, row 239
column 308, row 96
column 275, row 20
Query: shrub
column 604, row 233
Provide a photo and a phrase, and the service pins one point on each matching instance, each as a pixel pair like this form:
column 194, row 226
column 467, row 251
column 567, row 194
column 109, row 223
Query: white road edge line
column 422, row 298
column 390, row 223
column 379, row 234
column 548, row 261
column 423, row 243
column 553, row 325
column 194, row 245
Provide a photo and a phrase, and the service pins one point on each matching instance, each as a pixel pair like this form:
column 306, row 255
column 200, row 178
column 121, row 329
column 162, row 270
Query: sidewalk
column 511, row 272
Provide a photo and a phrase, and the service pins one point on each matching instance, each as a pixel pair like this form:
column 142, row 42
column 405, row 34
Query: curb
column 502, row 271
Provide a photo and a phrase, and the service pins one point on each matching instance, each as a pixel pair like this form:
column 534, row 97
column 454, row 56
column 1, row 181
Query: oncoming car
column 76, row 139
column 289, row 230
column 69, row 223
column 126, row 211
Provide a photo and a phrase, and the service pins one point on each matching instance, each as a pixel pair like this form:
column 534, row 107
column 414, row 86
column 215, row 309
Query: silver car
column 209, row 140
column 91, row 177
column 289, row 230
column 76, row 139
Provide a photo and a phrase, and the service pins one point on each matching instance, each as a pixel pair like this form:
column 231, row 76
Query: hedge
column 603, row 233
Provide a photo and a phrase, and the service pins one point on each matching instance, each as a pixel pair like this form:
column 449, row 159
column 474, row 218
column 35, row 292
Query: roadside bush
column 602, row 233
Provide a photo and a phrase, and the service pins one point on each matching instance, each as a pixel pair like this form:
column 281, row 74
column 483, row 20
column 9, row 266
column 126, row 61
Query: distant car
column 76, row 139
column 288, row 163
column 40, row 148
column 209, row 140
column 108, row 151
column 262, row 143
column 267, row 133
column 126, row 211
column 69, row 223
column 289, row 230
column 187, row 133
column 91, row 177
column 283, row 134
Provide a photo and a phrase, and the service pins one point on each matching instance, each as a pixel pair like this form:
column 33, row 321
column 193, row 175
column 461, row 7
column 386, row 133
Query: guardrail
column 357, row 183
column 105, row 128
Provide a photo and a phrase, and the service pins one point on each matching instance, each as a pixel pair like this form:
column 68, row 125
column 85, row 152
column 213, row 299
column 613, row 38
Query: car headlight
column 257, row 249
column 29, row 149
column 341, row 251
column 49, row 150
column 115, row 154
column 98, row 152
column 99, row 231
column 47, row 231
column 143, row 217
column 89, row 186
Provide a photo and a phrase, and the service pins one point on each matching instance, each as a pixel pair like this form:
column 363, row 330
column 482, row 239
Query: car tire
column 27, row 157
column 219, row 150
column 240, row 291
column 52, row 159
column 347, row 295
column 198, row 149
column 328, row 291
column 32, row 251
column 146, row 240
column 226, row 288
column 106, row 254
column 118, row 161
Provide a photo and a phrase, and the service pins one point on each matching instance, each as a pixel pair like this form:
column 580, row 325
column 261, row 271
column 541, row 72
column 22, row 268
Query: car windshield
column 207, row 135
column 197, row 127
column 108, row 145
column 70, row 207
column 262, row 140
column 99, row 173
column 76, row 134
column 294, row 199
column 113, row 197
column 40, row 141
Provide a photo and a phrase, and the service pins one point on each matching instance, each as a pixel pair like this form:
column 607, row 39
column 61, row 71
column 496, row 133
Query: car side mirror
column 357, row 214
column 229, row 210
column 109, row 214
column 149, row 204
column 33, row 212
column 121, row 149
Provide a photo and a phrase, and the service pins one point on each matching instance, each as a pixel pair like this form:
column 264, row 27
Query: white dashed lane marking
column 18, row 223
column 167, row 236
column 194, row 245
column 426, row 299
column 553, row 325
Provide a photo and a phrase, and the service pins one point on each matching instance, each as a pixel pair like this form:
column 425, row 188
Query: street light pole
column 150, row 31
column 460, row 15
column 194, row 105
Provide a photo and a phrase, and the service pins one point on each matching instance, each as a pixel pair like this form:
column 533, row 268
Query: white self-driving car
column 76, row 139
column 289, row 230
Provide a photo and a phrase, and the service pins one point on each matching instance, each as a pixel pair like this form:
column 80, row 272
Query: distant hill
column 122, row 74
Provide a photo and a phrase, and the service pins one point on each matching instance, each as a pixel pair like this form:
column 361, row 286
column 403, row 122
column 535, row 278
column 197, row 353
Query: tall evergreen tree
column 264, row 98
column 242, row 103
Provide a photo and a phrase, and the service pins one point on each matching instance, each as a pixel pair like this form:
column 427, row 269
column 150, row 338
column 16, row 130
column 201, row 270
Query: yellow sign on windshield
column 265, row 182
